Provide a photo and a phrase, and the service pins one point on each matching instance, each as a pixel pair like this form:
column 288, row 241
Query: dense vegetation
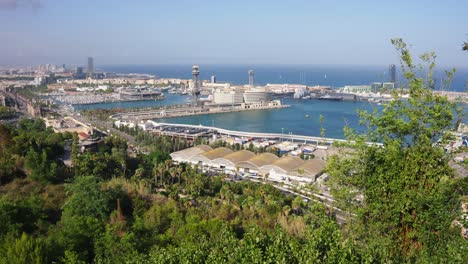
column 7, row 112
column 113, row 208
column 410, row 195
column 116, row 206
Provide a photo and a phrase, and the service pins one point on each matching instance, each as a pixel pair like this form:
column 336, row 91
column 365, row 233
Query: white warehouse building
column 288, row 170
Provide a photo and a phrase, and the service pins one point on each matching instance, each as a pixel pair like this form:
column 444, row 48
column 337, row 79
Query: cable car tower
column 195, row 91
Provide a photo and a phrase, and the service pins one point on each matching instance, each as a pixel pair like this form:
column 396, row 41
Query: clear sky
column 229, row 32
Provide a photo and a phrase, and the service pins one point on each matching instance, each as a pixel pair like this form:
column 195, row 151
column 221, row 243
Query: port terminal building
column 238, row 95
column 266, row 166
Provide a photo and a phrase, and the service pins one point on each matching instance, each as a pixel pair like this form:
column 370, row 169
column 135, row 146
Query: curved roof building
column 209, row 156
column 234, row 158
column 187, row 154
column 258, row 161
column 310, row 168
column 283, row 165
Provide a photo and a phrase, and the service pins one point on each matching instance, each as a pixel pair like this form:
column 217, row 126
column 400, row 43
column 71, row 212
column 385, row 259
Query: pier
column 188, row 111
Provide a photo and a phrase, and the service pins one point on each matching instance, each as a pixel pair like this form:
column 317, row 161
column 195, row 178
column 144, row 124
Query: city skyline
column 209, row 32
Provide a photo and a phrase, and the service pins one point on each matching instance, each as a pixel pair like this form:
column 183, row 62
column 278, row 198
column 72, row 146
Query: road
column 105, row 126
column 289, row 137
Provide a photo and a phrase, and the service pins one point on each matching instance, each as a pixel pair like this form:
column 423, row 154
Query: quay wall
column 178, row 112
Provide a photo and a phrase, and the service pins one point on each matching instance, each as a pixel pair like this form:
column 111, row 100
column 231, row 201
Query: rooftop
column 310, row 168
column 188, row 153
column 239, row 156
column 260, row 160
column 286, row 163
column 216, row 153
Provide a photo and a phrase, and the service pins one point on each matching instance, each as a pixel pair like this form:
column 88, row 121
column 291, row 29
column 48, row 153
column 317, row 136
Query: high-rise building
column 251, row 78
column 90, row 72
column 392, row 73
column 376, row 87
column 78, row 73
column 213, row 79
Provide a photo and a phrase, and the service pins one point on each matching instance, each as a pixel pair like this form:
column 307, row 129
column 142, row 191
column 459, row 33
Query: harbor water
column 301, row 118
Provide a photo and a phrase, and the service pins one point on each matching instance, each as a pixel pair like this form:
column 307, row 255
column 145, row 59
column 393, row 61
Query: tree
column 87, row 198
column 75, row 149
column 77, row 237
column 7, row 166
column 43, row 169
column 322, row 129
column 409, row 194
column 20, row 216
column 25, row 249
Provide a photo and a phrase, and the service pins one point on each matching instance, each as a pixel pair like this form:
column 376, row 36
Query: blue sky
column 229, row 32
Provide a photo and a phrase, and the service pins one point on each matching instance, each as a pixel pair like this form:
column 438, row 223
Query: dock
column 197, row 110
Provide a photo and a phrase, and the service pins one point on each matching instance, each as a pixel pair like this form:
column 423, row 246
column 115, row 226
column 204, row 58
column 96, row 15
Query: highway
column 289, row 137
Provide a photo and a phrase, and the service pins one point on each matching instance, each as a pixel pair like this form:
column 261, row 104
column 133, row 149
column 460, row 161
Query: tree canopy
column 409, row 194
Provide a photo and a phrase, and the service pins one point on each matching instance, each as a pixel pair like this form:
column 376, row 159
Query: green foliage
column 42, row 168
column 87, row 198
column 25, row 249
column 31, row 91
column 6, row 112
column 409, row 199
column 21, row 216
column 77, row 235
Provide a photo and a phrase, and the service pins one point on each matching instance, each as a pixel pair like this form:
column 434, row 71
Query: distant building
column 392, row 73
column 357, row 89
column 78, row 73
column 227, row 97
column 375, row 87
column 39, row 80
column 90, row 73
column 257, row 94
column 213, row 79
column 251, row 78
column 388, row 86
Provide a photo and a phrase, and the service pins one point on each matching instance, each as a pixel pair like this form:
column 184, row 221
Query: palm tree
column 155, row 173
column 173, row 173
column 237, row 171
column 161, row 171
column 265, row 177
column 179, row 172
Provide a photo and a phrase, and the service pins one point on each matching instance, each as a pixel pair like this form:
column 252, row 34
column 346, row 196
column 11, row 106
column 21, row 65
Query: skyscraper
column 79, row 73
column 90, row 72
column 392, row 73
column 251, row 78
